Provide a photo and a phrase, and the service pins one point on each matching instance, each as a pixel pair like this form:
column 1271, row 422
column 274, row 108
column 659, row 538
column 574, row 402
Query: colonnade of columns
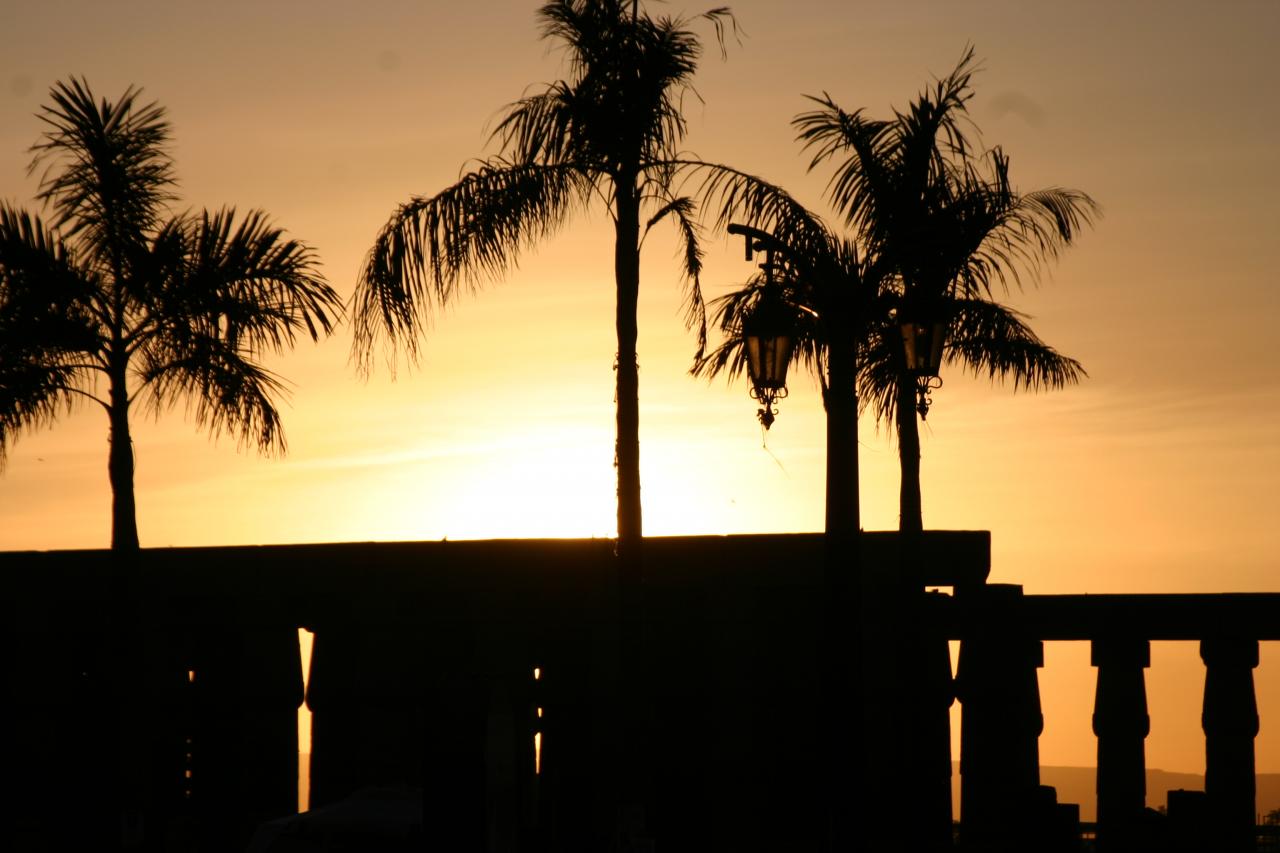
column 997, row 684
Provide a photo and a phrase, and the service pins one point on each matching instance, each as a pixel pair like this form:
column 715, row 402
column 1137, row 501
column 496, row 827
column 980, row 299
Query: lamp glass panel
column 922, row 347
column 767, row 359
column 779, row 357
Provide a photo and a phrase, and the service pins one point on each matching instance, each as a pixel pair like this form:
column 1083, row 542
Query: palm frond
column 1044, row 222
column 539, row 128
column 729, row 357
column 263, row 286
column 994, row 235
column 721, row 17
column 863, row 182
column 226, row 392
column 931, row 132
column 463, row 236
column 48, row 334
column 683, row 209
column 37, row 265
column 990, row 338
column 736, row 196
column 879, row 372
column 889, row 173
column 107, row 173
column 229, row 292
column 629, row 76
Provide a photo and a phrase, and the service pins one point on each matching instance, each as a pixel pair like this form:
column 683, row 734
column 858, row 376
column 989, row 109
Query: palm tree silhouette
column 609, row 133
column 949, row 223
column 983, row 337
column 117, row 291
column 827, row 286
column 939, row 225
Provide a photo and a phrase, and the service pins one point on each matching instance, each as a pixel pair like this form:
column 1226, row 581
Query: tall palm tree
column 117, row 292
column 607, row 133
column 940, row 227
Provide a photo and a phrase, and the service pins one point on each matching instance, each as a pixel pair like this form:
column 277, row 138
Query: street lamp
column 768, row 329
column 768, row 332
column 923, row 336
column 768, row 337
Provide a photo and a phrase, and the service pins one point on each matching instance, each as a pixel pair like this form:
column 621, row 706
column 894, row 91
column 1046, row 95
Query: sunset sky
column 1158, row 474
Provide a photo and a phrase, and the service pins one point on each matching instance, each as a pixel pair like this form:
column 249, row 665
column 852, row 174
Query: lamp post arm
column 757, row 239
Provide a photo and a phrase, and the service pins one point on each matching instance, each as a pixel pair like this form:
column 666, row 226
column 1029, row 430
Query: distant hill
column 1078, row 785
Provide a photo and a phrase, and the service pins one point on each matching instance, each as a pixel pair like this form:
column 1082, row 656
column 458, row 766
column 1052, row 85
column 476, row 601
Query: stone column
column 231, row 688
column 1230, row 722
column 1001, row 720
column 929, row 692
column 906, row 696
column 1121, row 722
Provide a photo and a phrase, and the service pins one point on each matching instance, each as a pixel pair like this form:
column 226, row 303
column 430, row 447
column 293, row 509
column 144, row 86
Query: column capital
column 1120, row 651
column 1229, row 651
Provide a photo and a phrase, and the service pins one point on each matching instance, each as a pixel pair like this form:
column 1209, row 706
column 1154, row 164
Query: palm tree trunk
column 632, row 781
column 124, row 517
column 840, row 656
column 910, row 516
column 627, row 448
column 841, row 403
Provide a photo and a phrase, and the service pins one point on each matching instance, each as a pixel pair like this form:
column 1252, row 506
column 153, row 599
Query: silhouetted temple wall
column 156, row 698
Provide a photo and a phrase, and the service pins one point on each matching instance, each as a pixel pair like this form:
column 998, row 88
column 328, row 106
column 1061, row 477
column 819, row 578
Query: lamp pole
column 838, row 300
column 769, row 335
column 840, row 656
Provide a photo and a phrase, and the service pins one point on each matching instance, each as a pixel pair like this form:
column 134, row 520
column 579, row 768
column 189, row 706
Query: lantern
column 768, row 336
column 922, row 346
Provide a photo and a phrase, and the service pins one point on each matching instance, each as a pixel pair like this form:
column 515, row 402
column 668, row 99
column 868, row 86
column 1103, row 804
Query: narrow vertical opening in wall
column 1267, row 745
column 188, row 745
column 187, row 769
column 305, row 640
column 1175, row 700
column 537, row 729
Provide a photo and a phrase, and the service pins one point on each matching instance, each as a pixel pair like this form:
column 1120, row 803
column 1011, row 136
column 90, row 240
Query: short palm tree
column 946, row 219
column 609, row 134
column 940, row 227
column 117, row 293
column 983, row 337
column 829, row 288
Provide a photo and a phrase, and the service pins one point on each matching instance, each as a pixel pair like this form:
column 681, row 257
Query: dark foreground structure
column 151, row 704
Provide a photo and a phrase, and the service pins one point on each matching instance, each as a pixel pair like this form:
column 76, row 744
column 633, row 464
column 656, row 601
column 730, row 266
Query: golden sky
column 1156, row 475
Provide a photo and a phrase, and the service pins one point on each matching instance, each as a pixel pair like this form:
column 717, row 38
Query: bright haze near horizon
column 1157, row 474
